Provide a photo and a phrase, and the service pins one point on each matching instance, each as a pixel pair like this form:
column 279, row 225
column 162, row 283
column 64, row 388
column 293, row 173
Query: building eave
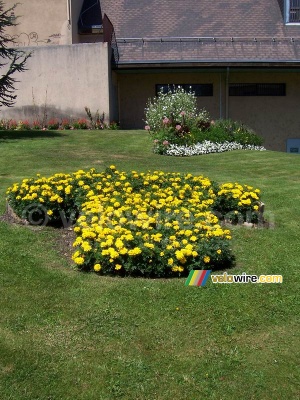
column 165, row 64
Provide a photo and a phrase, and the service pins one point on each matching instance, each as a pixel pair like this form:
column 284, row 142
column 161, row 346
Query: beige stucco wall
column 274, row 118
column 45, row 23
column 136, row 88
column 64, row 79
column 40, row 22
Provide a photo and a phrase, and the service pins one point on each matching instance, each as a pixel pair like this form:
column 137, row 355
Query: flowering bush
column 150, row 224
column 96, row 121
column 36, row 125
column 230, row 131
column 23, row 125
column 8, row 124
column 66, row 124
column 175, row 127
column 237, row 203
column 80, row 124
column 171, row 118
column 53, row 124
column 169, row 106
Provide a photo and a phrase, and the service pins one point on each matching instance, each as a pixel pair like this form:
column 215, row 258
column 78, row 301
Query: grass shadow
column 20, row 135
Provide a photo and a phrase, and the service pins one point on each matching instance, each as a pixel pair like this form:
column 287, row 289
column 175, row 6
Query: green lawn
column 66, row 335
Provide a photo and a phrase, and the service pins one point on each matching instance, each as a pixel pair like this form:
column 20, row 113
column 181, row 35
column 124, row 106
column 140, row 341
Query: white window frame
column 287, row 7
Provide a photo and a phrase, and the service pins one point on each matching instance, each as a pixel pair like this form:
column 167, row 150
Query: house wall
column 274, row 118
column 40, row 22
column 63, row 80
column 44, row 23
column 136, row 88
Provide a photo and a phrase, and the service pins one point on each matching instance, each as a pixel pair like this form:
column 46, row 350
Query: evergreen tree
column 11, row 59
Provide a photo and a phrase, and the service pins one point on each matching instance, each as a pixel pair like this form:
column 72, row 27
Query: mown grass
column 69, row 335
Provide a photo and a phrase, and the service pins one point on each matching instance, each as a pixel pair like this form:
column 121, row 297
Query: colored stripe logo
column 197, row 277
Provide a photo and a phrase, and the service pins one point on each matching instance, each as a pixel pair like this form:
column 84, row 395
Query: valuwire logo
column 197, row 277
column 200, row 277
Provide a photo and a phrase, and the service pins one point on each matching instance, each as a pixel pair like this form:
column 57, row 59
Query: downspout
column 227, row 94
column 220, row 97
column 69, row 11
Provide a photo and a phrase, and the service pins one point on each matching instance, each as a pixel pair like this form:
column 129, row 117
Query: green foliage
column 172, row 119
column 80, row 124
column 153, row 224
column 231, row 131
column 96, row 121
column 53, row 124
column 13, row 60
column 170, row 106
column 65, row 321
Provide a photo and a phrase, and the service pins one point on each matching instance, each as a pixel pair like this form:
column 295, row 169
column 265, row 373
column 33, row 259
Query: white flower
column 208, row 147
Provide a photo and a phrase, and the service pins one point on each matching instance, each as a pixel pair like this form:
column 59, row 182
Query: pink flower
column 182, row 113
column 147, row 127
column 178, row 127
column 166, row 120
column 155, row 141
column 165, row 143
column 212, row 122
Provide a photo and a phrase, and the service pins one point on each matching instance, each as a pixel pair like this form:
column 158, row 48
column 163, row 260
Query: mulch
column 63, row 238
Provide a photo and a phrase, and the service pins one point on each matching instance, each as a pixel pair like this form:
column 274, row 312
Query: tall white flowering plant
column 172, row 117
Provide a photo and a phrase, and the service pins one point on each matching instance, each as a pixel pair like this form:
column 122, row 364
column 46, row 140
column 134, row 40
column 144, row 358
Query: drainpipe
column 227, row 94
column 220, row 97
column 69, row 11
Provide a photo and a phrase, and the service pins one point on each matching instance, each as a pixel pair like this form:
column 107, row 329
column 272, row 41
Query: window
column 90, row 19
column 200, row 89
column 293, row 11
column 257, row 89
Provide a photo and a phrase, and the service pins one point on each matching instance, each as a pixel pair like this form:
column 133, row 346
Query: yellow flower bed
column 151, row 224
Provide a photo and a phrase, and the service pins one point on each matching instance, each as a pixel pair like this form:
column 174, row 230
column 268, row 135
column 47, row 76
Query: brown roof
column 166, row 31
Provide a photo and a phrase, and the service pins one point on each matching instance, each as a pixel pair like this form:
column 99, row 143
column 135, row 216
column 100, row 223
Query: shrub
column 80, row 124
column 36, row 125
column 96, row 121
column 237, row 203
column 171, row 106
column 53, row 124
column 150, row 224
column 171, row 118
column 233, row 131
column 113, row 126
column 23, row 125
column 66, row 124
column 173, row 122
column 5, row 124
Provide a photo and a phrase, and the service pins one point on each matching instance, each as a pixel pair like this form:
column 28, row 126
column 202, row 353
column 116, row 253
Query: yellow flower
column 118, row 266
column 170, row 261
column 49, row 212
column 97, row 267
column 206, row 259
column 135, row 251
column 79, row 260
column 219, row 251
column 149, row 245
column 179, row 255
column 86, row 246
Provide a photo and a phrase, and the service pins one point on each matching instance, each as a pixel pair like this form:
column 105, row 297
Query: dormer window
column 90, row 18
column 292, row 12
